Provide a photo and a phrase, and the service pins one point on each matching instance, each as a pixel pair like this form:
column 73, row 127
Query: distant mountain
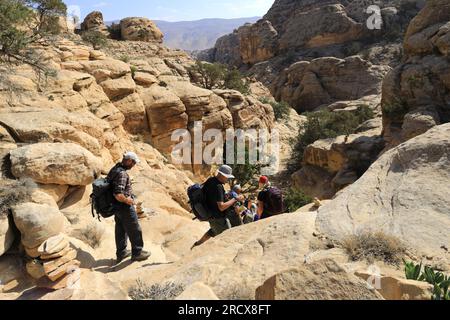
column 197, row 35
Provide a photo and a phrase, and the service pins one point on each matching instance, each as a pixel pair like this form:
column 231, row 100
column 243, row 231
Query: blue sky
column 172, row 10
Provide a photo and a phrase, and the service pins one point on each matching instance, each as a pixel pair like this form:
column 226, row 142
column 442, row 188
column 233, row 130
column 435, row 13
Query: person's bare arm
column 260, row 208
column 123, row 199
column 225, row 205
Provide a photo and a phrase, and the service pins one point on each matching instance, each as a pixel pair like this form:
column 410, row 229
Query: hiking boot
column 197, row 244
column 142, row 257
column 124, row 256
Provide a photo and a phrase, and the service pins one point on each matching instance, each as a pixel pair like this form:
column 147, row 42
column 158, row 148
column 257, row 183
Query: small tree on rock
column 96, row 39
column 26, row 22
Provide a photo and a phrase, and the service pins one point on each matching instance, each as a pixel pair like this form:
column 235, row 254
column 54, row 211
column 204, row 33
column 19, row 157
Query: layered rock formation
column 402, row 194
column 58, row 134
column 416, row 93
column 332, row 164
column 308, row 85
column 94, row 22
column 140, row 29
column 304, row 25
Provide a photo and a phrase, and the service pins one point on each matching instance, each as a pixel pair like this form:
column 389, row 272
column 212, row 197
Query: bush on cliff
column 218, row 76
column 327, row 124
column 23, row 23
column 95, row 38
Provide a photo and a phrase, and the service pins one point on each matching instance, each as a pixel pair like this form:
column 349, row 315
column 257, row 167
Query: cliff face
column 303, row 30
column 59, row 132
column 416, row 93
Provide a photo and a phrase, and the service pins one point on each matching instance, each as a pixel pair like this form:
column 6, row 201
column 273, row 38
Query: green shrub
column 235, row 80
column 324, row 125
column 134, row 69
column 295, row 199
column 218, row 76
column 210, row 75
column 115, row 31
column 396, row 109
column 281, row 110
column 125, row 58
column 245, row 174
column 23, row 23
column 95, row 38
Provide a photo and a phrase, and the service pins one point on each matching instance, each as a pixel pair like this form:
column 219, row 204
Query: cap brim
column 228, row 176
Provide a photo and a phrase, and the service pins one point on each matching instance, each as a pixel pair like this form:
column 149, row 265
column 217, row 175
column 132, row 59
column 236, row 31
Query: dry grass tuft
column 165, row 291
column 375, row 247
column 12, row 193
column 91, row 234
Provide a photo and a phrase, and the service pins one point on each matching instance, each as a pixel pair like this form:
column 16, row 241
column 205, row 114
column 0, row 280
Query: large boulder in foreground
column 237, row 262
column 404, row 193
column 37, row 223
column 322, row 280
column 55, row 163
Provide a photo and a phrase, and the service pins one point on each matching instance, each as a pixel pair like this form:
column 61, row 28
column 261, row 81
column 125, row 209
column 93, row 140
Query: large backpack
column 275, row 203
column 102, row 197
column 197, row 202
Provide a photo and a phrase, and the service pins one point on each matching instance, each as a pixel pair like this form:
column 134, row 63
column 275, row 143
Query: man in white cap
column 127, row 222
column 215, row 202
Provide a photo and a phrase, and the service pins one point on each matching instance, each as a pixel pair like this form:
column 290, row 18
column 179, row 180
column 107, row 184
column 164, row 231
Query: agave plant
column 412, row 270
column 440, row 282
column 445, row 286
column 432, row 277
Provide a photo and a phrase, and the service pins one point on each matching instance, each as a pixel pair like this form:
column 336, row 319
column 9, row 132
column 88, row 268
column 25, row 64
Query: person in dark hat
column 214, row 192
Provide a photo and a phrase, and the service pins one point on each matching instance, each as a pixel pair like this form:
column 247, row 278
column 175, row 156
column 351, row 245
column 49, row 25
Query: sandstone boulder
column 258, row 42
column 197, row 291
column 165, row 113
column 321, row 26
column 308, row 85
column 393, row 288
column 322, row 280
column 247, row 112
column 55, row 163
column 416, row 93
column 50, row 126
column 403, row 194
column 330, row 165
column 133, row 110
column 6, row 234
column 37, row 223
column 53, row 245
column 110, row 68
column 223, row 263
column 120, row 87
column 140, row 29
column 94, row 22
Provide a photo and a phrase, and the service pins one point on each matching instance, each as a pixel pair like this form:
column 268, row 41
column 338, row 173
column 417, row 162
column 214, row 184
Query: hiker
column 233, row 214
column 250, row 214
column 270, row 200
column 216, row 204
column 127, row 224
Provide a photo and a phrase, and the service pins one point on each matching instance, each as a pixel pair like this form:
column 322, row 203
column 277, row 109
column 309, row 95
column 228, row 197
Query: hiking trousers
column 127, row 227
